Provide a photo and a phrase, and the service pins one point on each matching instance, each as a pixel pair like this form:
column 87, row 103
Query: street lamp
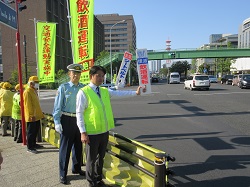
column 111, row 70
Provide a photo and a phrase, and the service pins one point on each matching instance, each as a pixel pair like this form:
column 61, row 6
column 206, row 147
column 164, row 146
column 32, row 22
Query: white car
column 197, row 81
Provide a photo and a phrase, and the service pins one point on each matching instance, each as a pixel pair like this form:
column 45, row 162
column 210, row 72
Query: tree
column 202, row 68
column 180, row 67
column 223, row 65
column 103, row 54
column 14, row 78
column 60, row 77
column 164, row 71
column 193, row 66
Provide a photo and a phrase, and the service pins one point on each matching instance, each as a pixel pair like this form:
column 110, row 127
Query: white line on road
column 225, row 93
column 45, row 98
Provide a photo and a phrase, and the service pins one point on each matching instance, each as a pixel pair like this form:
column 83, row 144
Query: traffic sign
column 8, row 15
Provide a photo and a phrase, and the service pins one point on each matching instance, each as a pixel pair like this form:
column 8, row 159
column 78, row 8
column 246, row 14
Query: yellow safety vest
column 98, row 116
column 16, row 109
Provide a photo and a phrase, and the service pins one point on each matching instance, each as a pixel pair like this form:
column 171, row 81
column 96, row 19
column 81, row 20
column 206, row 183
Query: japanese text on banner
column 120, row 81
column 82, row 23
column 46, row 42
column 143, row 69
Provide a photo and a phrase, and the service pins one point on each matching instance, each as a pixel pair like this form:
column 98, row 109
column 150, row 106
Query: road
column 207, row 131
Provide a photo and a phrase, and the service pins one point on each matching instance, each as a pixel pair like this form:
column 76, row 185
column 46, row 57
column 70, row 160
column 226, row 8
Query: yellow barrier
column 127, row 162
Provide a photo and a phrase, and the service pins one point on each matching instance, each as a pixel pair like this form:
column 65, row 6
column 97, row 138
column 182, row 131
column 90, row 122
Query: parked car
column 197, row 81
column 227, row 79
column 154, row 79
column 212, row 79
column 244, row 81
column 236, row 80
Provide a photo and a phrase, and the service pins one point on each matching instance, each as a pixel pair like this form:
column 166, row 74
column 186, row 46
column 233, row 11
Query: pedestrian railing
column 127, row 162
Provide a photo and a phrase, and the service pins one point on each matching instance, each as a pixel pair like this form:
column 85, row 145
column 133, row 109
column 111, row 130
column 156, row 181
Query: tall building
column 242, row 65
column 47, row 11
column 121, row 33
column 244, row 34
column 213, row 38
column 217, row 41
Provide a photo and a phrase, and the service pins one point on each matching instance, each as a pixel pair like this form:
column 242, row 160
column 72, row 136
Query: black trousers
column 70, row 140
column 95, row 153
column 32, row 131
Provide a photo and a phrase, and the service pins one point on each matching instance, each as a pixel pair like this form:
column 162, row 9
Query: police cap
column 75, row 67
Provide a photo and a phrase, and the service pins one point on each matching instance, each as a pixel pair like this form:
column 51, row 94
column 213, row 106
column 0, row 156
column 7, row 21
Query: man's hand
column 84, row 138
column 138, row 91
column 33, row 118
column 58, row 128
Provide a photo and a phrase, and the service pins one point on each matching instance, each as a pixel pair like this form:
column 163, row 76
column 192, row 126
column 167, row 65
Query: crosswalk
column 47, row 95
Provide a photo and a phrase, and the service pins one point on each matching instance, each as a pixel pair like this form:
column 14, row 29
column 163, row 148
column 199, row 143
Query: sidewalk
column 22, row 169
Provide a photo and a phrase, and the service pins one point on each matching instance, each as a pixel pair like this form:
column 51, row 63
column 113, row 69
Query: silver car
column 212, row 79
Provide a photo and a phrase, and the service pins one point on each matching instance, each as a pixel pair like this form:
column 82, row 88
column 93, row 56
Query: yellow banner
column 82, row 27
column 46, row 45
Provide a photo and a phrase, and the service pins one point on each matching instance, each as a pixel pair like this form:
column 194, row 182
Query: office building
column 244, row 34
column 242, row 65
column 47, row 11
column 217, row 41
column 122, row 34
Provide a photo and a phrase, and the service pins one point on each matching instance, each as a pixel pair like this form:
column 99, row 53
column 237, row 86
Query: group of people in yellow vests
column 10, row 109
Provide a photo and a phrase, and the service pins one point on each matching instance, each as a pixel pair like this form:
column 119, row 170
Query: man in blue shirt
column 64, row 115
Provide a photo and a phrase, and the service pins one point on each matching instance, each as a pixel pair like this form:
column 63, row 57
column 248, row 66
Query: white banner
column 143, row 69
column 120, row 80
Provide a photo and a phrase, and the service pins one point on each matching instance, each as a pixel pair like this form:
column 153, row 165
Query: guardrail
column 127, row 162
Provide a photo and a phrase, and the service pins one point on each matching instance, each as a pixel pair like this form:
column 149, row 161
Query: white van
column 174, row 77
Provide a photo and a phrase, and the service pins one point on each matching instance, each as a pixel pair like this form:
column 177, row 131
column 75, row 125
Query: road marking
column 241, row 92
column 203, row 94
column 173, row 94
column 221, row 93
column 45, row 98
column 225, row 93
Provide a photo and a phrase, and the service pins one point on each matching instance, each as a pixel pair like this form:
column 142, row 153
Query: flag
column 82, row 30
column 46, row 44
column 143, row 69
column 120, row 80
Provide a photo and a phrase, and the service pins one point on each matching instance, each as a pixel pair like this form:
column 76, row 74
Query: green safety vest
column 98, row 116
column 16, row 109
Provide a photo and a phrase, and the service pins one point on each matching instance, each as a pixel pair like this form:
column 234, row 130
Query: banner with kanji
column 82, row 30
column 46, row 45
column 143, row 69
column 120, row 80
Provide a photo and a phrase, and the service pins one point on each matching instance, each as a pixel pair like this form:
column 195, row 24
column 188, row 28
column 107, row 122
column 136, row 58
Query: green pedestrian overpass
column 183, row 54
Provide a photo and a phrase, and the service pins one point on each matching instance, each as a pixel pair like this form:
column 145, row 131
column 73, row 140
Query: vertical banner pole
column 70, row 31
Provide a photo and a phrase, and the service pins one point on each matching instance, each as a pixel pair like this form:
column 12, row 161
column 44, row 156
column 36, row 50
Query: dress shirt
column 65, row 100
column 82, row 103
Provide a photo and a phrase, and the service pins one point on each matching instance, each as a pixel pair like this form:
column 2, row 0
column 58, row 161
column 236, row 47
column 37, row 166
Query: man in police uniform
column 64, row 114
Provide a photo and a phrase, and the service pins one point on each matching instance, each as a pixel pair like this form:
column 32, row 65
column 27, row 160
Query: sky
column 187, row 23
